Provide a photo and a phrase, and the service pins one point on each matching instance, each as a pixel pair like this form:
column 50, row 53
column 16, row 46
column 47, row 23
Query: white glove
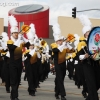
column 38, row 55
column 61, row 47
column 20, row 37
column 32, row 52
column 71, row 60
column 8, row 54
column 17, row 43
column 76, row 62
column 82, row 57
column 24, row 58
column 24, row 39
column 3, row 45
column 1, row 48
column 70, row 47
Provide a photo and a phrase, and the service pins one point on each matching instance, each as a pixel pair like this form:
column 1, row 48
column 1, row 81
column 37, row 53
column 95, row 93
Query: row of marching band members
column 82, row 68
column 36, row 61
column 33, row 52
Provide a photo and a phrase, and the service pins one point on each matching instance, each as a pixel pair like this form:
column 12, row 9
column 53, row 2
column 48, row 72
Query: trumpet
column 24, row 29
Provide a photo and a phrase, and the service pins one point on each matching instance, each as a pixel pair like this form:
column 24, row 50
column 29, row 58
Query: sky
column 57, row 8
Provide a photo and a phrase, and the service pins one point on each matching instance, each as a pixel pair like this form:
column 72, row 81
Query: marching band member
column 79, row 72
column 32, row 65
column 6, row 57
column 60, row 49
column 45, row 59
column 1, row 64
column 15, row 46
column 85, row 59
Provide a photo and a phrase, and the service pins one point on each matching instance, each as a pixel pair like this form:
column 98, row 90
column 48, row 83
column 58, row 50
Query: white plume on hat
column 85, row 22
column 31, row 35
column 57, row 32
column 13, row 24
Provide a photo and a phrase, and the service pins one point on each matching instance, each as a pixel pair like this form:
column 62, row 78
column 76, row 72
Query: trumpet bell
column 1, row 37
column 43, row 43
column 70, row 38
column 25, row 28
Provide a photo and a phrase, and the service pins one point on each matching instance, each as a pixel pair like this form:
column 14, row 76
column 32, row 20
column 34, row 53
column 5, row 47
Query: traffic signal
column 74, row 12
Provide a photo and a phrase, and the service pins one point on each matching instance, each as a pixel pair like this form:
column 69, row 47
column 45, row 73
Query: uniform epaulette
column 10, row 42
column 81, row 44
column 73, row 55
column 26, row 51
column 3, row 53
column 67, row 57
column 82, row 38
column 54, row 45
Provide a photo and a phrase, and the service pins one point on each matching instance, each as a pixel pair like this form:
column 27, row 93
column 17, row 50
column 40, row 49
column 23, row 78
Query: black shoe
column 38, row 86
column 78, row 86
column 57, row 96
column 32, row 94
column 15, row 99
column 84, row 94
column 63, row 98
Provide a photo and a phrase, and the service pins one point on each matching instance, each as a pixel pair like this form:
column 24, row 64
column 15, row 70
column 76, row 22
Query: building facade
column 74, row 26
column 34, row 13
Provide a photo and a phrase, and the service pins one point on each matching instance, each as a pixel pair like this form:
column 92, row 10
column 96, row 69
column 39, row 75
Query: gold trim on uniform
column 33, row 59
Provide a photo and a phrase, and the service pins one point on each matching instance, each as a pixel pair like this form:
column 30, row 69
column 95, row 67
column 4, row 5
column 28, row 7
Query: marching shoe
column 15, row 99
column 63, row 98
column 57, row 96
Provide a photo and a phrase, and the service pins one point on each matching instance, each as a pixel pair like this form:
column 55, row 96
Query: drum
column 93, row 42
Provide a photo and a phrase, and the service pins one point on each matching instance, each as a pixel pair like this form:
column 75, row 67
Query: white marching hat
column 13, row 24
column 86, row 29
column 86, row 23
column 14, row 29
column 57, row 32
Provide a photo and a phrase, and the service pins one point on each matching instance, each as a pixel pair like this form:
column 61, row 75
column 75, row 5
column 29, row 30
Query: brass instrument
column 24, row 29
column 43, row 43
column 1, row 37
column 43, row 59
column 70, row 38
column 3, row 53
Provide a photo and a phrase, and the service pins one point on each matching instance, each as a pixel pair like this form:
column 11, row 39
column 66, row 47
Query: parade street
column 45, row 92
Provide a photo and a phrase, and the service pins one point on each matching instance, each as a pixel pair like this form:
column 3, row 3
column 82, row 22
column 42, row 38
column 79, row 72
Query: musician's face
column 15, row 35
column 59, row 42
column 31, row 47
column 86, row 34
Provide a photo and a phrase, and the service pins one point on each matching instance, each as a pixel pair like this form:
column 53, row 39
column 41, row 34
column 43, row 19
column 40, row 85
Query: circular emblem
column 93, row 42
